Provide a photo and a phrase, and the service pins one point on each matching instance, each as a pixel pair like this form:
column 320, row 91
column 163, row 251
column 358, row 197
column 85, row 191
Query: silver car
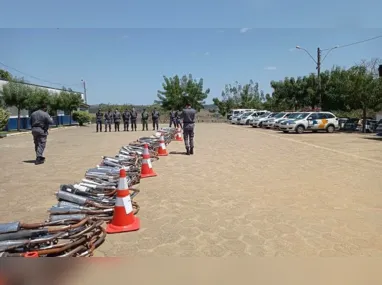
column 258, row 122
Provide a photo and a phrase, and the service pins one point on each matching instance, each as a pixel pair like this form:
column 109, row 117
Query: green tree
column 178, row 91
column 56, row 103
column 38, row 98
column 71, row 101
column 16, row 94
column 4, row 117
column 5, row 75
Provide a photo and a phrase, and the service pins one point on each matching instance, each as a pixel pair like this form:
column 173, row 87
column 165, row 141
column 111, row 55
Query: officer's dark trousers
column 116, row 126
column 134, row 125
column 155, row 124
column 172, row 121
column 179, row 124
column 125, row 125
column 145, row 125
column 99, row 126
column 107, row 123
column 39, row 139
column 188, row 135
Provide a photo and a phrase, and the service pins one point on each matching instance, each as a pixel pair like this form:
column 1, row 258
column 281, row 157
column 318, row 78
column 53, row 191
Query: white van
column 311, row 121
column 237, row 112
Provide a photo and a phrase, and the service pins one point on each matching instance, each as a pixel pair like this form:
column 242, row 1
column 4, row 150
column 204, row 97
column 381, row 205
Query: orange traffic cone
column 178, row 136
column 147, row 168
column 162, row 151
column 31, row 254
column 123, row 219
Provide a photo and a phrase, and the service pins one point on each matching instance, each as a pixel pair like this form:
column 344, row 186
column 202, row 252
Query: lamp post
column 318, row 63
column 84, row 85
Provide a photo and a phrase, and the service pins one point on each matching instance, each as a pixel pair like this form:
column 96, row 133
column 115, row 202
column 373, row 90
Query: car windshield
column 302, row 116
column 279, row 115
column 236, row 113
column 264, row 116
column 246, row 114
column 294, row 115
column 273, row 115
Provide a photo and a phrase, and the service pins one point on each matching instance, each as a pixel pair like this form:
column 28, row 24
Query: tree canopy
column 179, row 91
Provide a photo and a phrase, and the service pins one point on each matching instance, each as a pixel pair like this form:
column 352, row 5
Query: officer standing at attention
column 172, row 118
column 126, row 119
column 133, row 118
column 108, row 117
column 145, row 117
column 40, row 121
column 177, row 120
column 155, row 116
column 99, row 117
column 117, row 120
column 188, row 115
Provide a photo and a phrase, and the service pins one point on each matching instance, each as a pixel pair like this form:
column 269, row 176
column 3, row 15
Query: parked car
column 378, row 129
column 290, row 116
column 370, row 126
column 258, row 122
column 236, row 120
column 244, row 120
column 350, row 125
column 269, row 123
column 256, row 115
column 313, row 121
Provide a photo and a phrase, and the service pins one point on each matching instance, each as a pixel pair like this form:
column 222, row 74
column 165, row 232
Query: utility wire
column 355, row 43
column 37, row 78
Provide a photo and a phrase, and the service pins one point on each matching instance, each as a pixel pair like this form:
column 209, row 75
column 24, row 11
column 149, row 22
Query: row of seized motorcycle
column 75, row 224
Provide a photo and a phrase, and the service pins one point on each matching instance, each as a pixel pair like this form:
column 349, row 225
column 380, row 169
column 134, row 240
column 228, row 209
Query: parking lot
column 245, row 191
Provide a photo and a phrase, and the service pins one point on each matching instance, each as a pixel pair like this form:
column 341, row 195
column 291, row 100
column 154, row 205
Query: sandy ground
column 246, row 192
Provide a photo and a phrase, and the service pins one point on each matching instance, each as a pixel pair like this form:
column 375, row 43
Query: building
column 63, row 118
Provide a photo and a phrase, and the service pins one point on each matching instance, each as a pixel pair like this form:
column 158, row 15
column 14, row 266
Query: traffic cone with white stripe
column 147, row 167
column 123, row 218
column 162, row 151
column 178, row 136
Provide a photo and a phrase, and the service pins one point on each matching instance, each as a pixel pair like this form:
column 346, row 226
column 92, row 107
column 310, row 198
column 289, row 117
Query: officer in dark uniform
column 133, row 118
column 155, row 117
column 99, row 116
column 188, row 115
column 126, row 119
column 108, row 118
column 40, row 121
column 177, row 119
column 172, row 118
column 145, row 118
column 117, row 120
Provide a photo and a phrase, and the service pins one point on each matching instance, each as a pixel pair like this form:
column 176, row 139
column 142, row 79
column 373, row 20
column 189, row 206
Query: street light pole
column 318, row 63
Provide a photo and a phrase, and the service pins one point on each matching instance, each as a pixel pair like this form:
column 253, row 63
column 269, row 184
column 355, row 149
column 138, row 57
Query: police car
column 311, row 121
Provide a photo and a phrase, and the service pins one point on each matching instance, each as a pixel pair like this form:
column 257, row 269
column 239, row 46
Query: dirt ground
column 245, row 192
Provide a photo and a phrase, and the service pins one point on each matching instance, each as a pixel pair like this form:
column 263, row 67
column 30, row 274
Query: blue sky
column 122, row 50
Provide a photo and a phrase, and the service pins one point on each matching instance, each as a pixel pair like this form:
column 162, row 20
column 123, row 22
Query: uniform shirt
column 172, row 115
column 99, row 116
column 155, row 115
column 107, row 116
column 117, row 116
column 133, row 115
column 126, row 115
column 145, row 115
column 188, row 116
column 41, row 119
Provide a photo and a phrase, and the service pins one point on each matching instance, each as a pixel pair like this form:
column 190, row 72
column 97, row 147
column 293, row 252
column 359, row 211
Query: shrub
column 4, row 117
column 81, row 117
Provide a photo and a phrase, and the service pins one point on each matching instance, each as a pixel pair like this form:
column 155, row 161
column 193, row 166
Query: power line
column 355, row 43
column 37, row 78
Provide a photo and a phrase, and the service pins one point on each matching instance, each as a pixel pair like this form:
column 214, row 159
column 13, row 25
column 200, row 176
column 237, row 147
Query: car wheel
column 314, row 131
column 300, row 129
column 285, row 132
column 330, row 129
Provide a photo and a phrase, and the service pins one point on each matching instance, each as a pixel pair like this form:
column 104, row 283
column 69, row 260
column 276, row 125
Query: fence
column 25, row 122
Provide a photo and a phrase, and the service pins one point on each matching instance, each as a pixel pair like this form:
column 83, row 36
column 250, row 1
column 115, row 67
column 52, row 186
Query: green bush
column 4, row 117
column 81, row 117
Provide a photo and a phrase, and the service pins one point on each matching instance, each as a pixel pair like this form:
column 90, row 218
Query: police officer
column 126, row 119
column 133, row 118
column 108, row 118
column 155, row 117
column 99, row 117
column 188, row 115
column 40, row 121
column 117, row 120
column 177, row 119
column 172, row 118
column 145, row 117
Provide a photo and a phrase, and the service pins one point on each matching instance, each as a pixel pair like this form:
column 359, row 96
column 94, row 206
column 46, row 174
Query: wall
column 25, row 122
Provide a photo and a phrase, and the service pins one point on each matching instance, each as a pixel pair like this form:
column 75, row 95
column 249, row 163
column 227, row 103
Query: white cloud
column 206, row 53
column 244, row 30
column 270, row 68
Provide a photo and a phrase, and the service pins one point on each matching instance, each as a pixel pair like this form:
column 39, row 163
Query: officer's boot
column 187, row 151
column 191, row 150
column 39, row 160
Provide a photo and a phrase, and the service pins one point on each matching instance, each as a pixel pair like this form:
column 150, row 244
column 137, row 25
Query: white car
column 258, row 122
column 290, row 116
column 236, row 120
column 311, row 121
column 246, row 117
column 256, row 115
column 269, row 123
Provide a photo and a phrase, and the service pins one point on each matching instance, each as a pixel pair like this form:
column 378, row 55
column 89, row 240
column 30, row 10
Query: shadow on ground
column 178, row 152
column 29, row 161
column 374, row 138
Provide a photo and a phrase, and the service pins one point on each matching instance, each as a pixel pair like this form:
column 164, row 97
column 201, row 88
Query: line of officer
column 188, row 115
column 117, row 120
column 145, row 118
column 133, row 118
column 126, row 120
